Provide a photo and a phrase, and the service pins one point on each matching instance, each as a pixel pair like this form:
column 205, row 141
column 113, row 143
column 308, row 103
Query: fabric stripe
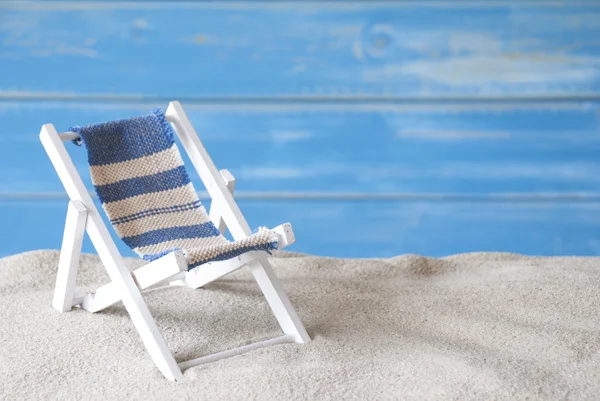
column 154, row 200
column 170, row 234
column 163, row 181
column 128, row 139
column 149, row 165
column 157, row 211
column 203, row 250
column 160, row 221
column 264, row 240
column 188, row 244
column 234, row 251
column 160, row 255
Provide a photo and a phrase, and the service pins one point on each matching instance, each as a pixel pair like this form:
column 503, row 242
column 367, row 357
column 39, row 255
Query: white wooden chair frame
column 82, row 216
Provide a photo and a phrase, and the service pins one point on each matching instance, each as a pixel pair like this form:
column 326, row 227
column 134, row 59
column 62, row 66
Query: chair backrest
column 142, row 183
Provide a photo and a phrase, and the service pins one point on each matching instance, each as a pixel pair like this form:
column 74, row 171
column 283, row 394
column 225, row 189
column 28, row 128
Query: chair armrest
column 286, row 234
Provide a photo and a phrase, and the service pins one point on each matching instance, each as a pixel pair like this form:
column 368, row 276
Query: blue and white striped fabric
column 140, row 178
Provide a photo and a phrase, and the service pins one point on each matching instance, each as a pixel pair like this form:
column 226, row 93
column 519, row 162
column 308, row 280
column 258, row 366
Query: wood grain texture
column 362, row 50
column 369, row 228
column 375, row 127
column 467, row 149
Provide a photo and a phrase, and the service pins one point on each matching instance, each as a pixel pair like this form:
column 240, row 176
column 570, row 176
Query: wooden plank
column 371, row 228
column 462, row 149
column 301, row 50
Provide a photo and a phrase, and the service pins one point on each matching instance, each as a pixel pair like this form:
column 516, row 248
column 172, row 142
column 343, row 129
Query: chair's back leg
column 69, row 256
column 110, row 257
column 278, row 301
column 236, row 223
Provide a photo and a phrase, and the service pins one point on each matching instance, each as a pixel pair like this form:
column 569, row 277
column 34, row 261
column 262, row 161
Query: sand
column 471, row 326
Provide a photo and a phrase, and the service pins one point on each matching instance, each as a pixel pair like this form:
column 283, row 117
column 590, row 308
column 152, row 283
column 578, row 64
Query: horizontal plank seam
column 257, row 195
column 266, row 4
column 295, row 99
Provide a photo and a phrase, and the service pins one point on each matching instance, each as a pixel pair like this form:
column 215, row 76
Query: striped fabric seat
column 140, row 179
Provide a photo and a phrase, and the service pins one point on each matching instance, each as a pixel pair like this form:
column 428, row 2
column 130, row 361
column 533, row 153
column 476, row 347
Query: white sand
column 474, row 326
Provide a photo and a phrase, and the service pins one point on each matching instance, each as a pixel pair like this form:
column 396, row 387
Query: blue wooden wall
column 376, row 128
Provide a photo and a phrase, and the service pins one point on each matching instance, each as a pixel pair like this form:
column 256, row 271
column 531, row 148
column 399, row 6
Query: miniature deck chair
column 142, row 184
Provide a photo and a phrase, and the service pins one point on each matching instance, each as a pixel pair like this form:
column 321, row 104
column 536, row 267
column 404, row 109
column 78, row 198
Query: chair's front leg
column 69, row 256
column 158, row 271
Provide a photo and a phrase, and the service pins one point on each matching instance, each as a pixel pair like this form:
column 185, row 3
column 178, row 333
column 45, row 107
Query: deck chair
column 140, row 179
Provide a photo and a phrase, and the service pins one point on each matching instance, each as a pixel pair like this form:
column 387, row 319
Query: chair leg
column 281, row 306
column 133, row 301
column 158, row 271
column 69, row 256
